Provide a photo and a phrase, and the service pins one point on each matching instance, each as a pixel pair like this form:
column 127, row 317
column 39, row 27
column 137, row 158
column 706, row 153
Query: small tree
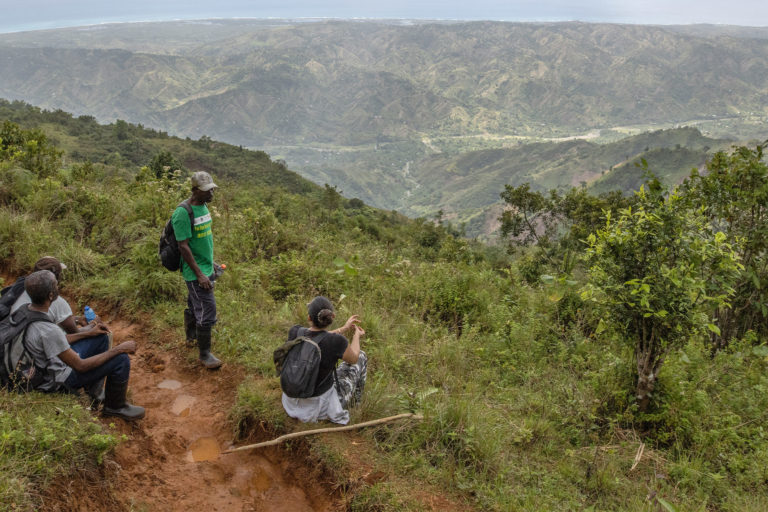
column 557, row 224
column 734, row 196
column 658, row 268
column 164, row 164
column 331, row 197
column 529, row 217
column 29, row 149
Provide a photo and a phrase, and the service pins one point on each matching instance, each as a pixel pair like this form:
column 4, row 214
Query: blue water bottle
column 89, row 314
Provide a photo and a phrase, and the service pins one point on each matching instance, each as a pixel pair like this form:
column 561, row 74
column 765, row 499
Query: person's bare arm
column 72, row 359
column 189, row 259
column 75, row 333
column 352, row 354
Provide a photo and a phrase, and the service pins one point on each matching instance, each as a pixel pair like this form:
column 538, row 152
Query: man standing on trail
column 196, row 247
column 82, row 365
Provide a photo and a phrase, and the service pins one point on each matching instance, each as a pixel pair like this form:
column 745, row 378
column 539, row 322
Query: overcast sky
column 19, row 15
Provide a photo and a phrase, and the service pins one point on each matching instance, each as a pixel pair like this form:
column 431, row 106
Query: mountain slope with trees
column 350, row 83
column 619, row 363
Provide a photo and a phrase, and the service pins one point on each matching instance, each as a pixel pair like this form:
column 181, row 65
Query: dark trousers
column 117, row 368
column 201, row 303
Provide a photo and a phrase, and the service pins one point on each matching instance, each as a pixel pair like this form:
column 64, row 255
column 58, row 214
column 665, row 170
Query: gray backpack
column 297, row 362
column 18, row 371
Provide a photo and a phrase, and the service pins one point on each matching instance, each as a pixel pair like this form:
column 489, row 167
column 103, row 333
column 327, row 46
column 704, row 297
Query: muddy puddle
column 182, row 405
column 205, row 448
column 169, row 384
column 172, row 459
column 250, row 481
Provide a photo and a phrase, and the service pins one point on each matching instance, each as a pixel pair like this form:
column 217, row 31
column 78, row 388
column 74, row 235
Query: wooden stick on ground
column 324, row 430
column 638, row 456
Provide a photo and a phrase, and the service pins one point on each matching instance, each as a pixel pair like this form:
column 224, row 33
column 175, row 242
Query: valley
column 356, row 103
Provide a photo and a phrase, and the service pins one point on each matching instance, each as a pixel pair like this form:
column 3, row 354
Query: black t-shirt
column 332, row 348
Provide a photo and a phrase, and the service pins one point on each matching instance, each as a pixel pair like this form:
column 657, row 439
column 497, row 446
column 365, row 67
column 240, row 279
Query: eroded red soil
column 171, row 460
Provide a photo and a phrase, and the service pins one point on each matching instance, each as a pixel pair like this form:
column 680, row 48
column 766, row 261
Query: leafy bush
column 657, row 268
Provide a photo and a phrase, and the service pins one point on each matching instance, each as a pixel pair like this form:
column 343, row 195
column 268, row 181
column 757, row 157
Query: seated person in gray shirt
column 69, row 368
column 59, row 311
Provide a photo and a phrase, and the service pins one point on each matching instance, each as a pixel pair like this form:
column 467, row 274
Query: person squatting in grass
column 83, row 364
column 196, row 247
column 328, row 401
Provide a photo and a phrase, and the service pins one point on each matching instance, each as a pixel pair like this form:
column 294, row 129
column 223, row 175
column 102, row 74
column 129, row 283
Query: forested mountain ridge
column 353, row 83
column 123, row 145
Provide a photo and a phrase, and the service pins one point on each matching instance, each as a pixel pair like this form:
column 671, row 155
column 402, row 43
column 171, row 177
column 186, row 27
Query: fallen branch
column 325, row 430
column 638, row 456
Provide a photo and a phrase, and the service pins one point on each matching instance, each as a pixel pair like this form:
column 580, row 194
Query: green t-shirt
column 200, row 238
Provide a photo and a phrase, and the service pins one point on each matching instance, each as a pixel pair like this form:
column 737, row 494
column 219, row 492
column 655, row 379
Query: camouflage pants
column 351, row 381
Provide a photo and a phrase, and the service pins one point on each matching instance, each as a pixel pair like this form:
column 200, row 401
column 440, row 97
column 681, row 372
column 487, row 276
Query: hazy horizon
column 52, row 14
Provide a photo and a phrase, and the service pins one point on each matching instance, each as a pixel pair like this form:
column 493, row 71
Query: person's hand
column 204, row 282
column 351, row 321
column 127, row 347
column 358, row 330
column 99, row 328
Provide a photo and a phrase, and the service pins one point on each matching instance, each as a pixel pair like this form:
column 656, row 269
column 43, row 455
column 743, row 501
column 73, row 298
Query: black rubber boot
column 115, row 403
column 96, row 393
column 209, row 360
column 190, row 330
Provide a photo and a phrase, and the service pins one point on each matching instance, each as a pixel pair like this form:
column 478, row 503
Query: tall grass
column 527, row 402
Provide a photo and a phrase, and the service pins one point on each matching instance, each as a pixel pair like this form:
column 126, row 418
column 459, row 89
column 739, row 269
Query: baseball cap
column 49, row 263
column 203, row 181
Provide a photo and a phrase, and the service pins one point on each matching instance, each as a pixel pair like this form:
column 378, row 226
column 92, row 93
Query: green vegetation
column 279, row 82
column 465, row 183
column 658, row 268
column 528, row 388
column 42, row 437
column 417, row 117
column 734, row 196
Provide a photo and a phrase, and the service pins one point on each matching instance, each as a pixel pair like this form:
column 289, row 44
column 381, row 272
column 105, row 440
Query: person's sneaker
column 210, row 361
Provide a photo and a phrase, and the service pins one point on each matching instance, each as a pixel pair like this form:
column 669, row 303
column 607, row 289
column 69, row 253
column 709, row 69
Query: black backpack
column 297, row 362
column 8, row 296
column 170, row 256
column 17, row 367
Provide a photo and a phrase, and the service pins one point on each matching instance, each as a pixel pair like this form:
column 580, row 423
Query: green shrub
column 43, row 436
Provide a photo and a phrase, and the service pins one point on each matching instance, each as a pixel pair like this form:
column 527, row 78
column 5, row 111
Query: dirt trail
column 171, row 461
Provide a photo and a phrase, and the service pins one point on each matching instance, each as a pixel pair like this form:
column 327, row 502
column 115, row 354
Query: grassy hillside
column 467, row 184
column 123, row 145
column 528, row 401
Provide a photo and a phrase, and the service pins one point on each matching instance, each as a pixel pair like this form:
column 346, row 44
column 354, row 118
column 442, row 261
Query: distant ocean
column 15, row 23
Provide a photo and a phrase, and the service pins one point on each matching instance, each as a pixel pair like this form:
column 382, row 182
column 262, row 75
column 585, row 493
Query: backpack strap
column 304, row 332
column 26, row 328
column 185, row 204
column 332, row 372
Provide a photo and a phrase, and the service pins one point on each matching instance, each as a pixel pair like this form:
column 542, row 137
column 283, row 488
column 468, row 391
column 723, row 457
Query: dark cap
column 49, row 263
column 318, row 304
